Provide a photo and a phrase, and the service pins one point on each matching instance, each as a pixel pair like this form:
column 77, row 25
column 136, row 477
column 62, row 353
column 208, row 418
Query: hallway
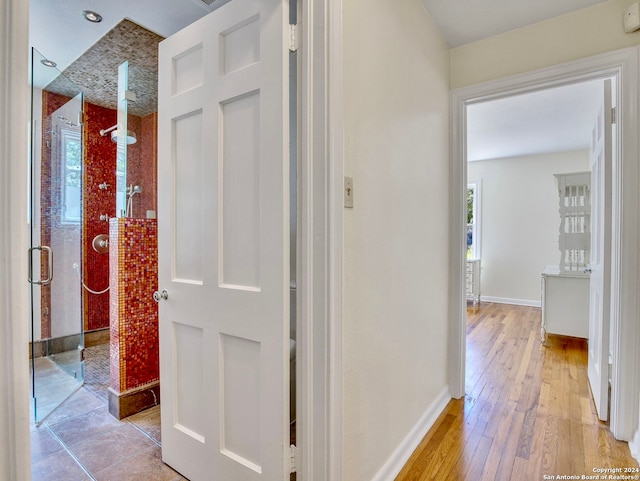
column 528, row 411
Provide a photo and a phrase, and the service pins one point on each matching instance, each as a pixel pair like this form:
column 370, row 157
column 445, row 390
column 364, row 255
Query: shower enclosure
column 55, row 218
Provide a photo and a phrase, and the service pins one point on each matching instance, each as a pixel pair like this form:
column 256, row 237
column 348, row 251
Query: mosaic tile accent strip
column 134, row 315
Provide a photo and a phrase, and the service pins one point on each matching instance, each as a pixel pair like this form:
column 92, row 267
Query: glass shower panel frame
column 55, row 218
column 121, row 140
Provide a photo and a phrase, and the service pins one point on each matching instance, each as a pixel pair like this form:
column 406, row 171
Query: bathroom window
column 71, row 177
column 473, row 219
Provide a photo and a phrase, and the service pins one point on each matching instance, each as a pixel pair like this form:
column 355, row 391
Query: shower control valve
column 158, row 296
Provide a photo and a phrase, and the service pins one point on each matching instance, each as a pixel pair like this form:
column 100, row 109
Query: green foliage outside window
column 73, row 156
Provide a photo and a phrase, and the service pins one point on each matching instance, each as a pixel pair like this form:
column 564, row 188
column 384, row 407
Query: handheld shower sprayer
column 131, row 191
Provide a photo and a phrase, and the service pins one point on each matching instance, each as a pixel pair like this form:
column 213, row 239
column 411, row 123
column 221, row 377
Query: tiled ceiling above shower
column 95, row 72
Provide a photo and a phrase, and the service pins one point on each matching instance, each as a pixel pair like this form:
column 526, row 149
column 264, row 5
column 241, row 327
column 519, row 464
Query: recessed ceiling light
column 92, row 16
column 48, row 63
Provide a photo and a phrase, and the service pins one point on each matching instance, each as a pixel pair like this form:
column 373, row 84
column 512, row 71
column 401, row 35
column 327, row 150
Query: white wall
column 573, row 36
column 395, row 324
column 520, row 221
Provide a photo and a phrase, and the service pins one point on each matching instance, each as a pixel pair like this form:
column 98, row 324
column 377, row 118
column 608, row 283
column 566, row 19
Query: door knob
column 158, row 296
column 587, row 270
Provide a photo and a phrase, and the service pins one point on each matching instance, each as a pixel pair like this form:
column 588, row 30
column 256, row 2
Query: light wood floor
column 527, row 412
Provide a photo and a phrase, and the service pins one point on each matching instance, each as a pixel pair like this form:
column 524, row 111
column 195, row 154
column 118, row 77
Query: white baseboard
column 508, row 300
column 405, row 449
column 634, row 446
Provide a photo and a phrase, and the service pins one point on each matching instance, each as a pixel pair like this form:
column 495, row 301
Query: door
column 223, row 223
column 600, row 281
column 55, row 218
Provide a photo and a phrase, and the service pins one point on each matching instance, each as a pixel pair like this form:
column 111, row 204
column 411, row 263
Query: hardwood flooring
column 528, row 413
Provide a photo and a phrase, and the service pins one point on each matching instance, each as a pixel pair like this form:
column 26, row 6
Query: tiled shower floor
column 82, row 441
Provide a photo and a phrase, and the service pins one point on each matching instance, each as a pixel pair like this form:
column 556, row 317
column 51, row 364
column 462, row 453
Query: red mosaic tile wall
column 133, row 254
column 100, row 167
column 147, row 170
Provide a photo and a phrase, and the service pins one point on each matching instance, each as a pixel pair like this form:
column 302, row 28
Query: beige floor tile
column 149, row 422
column 43, row 444
column 146, row 465
column 58, row 467
column 80, row 403
column 80, row 428
column 104, row 450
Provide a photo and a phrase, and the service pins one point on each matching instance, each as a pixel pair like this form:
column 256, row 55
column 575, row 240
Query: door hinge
column 613, row 115
column 293, row 458
column 293, row 38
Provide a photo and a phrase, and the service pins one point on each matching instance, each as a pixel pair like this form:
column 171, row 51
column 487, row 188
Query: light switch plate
column 348, row 192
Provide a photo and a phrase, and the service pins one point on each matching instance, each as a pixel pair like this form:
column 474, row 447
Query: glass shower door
column 55, row 217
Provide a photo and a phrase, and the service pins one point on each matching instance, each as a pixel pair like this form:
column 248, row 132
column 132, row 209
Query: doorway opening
column 516, row 146
column 620, row 66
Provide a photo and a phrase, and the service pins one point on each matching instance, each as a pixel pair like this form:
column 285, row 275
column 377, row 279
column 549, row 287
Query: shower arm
column 106, row 131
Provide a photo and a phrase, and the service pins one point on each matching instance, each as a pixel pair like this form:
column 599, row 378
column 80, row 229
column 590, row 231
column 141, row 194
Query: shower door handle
column 47, row 280
column 160, row 296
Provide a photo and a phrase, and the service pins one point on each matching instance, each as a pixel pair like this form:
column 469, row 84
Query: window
column 473, row 219
column 71, row 176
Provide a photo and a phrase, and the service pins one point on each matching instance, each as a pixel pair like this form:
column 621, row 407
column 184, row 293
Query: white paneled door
column 600, row 282
column 223, row 220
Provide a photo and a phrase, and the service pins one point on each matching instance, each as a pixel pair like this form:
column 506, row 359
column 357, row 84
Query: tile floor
column 81, row 441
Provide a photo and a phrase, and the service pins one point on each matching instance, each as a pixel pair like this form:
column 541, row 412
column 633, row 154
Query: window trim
column 67, row 136
column 476, row 185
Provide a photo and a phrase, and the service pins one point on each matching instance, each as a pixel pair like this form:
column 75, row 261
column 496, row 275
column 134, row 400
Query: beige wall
column 520, row 221
column 587, row 32
column 396, row 114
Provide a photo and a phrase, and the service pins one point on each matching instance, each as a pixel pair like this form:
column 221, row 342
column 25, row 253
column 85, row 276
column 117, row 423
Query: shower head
column 130, row 138
column 115, row 133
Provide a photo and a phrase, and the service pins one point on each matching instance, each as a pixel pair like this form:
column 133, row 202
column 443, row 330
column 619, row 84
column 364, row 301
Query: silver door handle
column 158, row 296
column 47, row 280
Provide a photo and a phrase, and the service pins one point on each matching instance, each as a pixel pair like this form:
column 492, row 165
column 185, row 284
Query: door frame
column 14, row 312
column 320, row 240
column 320, row 335
column 623, row 66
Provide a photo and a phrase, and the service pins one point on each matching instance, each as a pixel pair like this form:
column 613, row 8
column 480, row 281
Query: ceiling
column 465, row 21
column 89, row 54
column 60, row 32
column 503, row 128
column 552, row 120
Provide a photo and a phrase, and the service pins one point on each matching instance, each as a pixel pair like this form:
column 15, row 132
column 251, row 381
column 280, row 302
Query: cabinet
column 473, row 280
column 565, row 287
column 574, row 239
column 565, row 303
